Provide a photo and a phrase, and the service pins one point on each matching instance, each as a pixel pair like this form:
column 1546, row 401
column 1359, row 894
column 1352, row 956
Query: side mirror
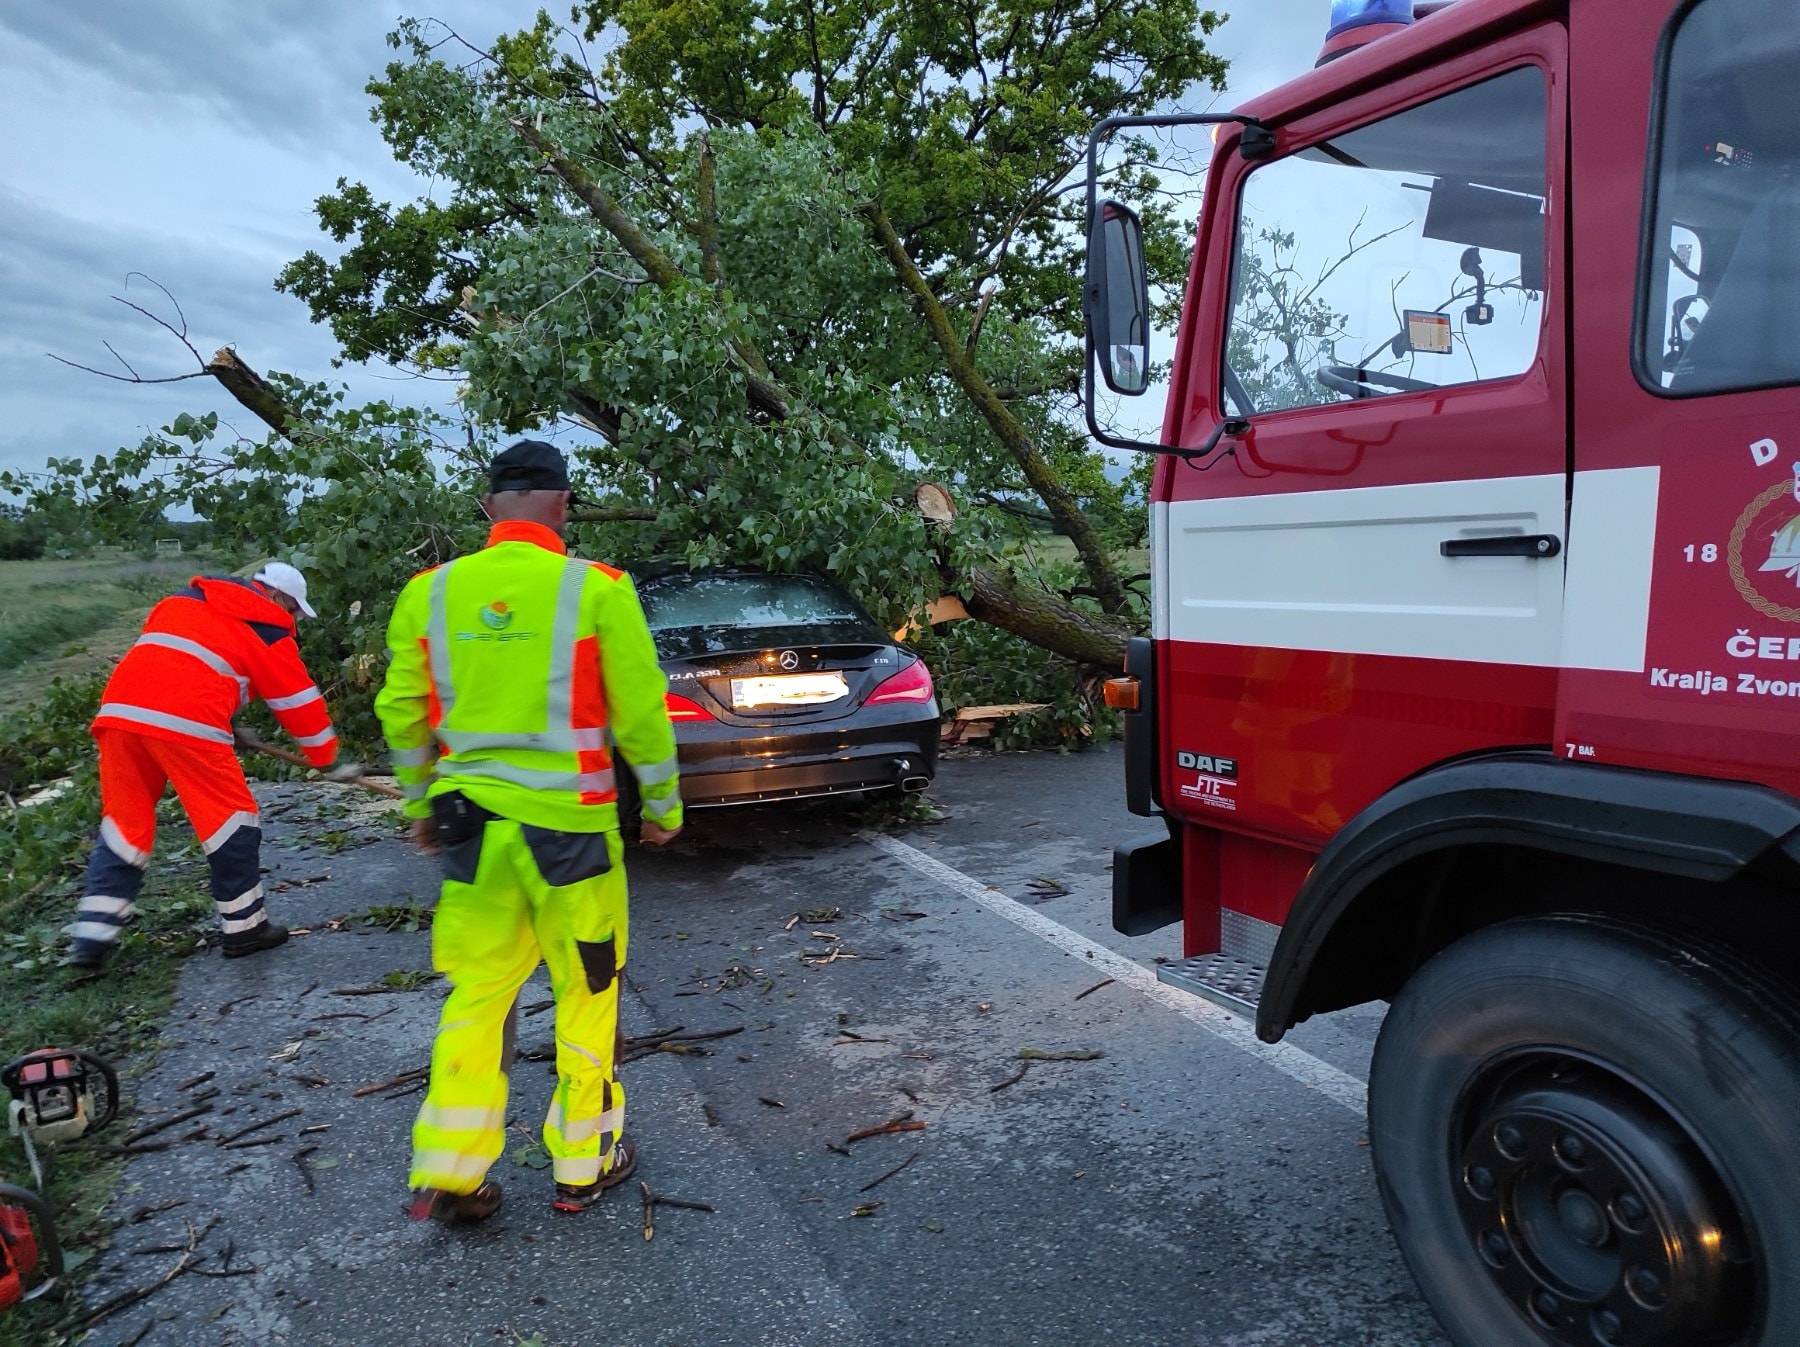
column 1116, row 300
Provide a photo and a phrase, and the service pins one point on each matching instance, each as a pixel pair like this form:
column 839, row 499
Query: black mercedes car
column 782, row 687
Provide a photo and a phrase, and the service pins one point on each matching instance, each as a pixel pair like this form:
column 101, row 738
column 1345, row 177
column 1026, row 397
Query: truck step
column 1223, row 979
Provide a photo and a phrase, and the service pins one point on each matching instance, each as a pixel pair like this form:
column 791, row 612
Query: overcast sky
column 188, row 140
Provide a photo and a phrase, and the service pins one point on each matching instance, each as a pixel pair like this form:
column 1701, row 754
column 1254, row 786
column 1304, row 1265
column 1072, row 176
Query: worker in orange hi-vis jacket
column 165, row 719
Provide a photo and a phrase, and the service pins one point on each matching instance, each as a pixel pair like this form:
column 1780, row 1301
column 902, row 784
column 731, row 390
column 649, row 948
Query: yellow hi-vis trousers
column 486, row 939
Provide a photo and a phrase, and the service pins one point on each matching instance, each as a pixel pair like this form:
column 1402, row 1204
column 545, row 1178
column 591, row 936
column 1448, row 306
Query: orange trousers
column 135, row 770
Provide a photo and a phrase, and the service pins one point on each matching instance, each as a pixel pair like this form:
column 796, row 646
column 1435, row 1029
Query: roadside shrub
column 23, row 537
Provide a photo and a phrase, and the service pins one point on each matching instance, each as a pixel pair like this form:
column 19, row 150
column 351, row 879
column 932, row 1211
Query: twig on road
column 417, row 1073
column 890, row 1174
column 196, row 1111
column 653, row 1200
column 192, row 1081
column 355, row 1014
column 305, row 1169
column 904, row 1123
column 1104, row 982
column 269, row 1121
column 126, row 1299
column 1011, row 1080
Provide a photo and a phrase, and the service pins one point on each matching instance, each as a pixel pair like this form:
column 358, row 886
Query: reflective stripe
column 554, row 740
column 580, row 1051
column 242, row 902
column 413, row 757
column 94, row 930
column 448, row 1167
column 113, row 907
column 585, row 1129
column 414, row 790
column 660, row 809
column 656, row 773
column 212, row 659
column 114, row 837
column 559, row 707
column 238, row 927
column 228, row 829
column 486, row 741
column 589, row 782
column 311, row 694
column 437, row 639
column 143, row 715
column 462, row 1119
column 324, row 736
column 579, row 1171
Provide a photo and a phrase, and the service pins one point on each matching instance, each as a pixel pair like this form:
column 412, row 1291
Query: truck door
column 1684, row 583
column 1370, row 581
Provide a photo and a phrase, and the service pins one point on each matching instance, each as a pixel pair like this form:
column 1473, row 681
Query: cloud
column 284, row 67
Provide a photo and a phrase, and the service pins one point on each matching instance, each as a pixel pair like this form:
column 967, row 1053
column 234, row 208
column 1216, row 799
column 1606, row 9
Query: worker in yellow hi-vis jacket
column 515, row 674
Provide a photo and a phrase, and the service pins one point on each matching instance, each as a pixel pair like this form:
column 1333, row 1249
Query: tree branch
column 1057, row 498
column 765, row 394
column 706, row 226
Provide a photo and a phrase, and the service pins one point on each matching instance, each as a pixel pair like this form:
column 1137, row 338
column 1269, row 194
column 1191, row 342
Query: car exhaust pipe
column 910, row 780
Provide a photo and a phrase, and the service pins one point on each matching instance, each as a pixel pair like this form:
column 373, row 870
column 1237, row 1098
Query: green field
column 67, row 618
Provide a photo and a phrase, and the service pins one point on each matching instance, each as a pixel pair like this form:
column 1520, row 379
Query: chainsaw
column 56, row 1096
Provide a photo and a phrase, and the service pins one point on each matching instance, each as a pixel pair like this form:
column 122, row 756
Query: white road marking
column 1339, row 1086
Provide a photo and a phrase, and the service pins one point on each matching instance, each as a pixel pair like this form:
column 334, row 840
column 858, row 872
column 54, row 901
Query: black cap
column 529, row 465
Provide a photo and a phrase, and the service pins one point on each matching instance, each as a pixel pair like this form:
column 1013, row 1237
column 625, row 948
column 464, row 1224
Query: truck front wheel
column 1585, row 1133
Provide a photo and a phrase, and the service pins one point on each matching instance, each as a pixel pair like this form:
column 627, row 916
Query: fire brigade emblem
column 496, row 616
column 1771, row 521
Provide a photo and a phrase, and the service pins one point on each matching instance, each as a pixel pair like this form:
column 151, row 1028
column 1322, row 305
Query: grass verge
column 43, row 852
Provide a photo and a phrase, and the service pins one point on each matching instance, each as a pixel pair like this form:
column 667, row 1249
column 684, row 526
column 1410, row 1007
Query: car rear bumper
column 721, row 765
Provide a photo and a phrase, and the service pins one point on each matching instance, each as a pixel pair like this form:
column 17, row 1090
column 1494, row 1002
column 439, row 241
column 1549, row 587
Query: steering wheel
column 1368, row 383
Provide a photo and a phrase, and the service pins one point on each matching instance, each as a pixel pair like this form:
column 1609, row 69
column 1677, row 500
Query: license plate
column 788, row 690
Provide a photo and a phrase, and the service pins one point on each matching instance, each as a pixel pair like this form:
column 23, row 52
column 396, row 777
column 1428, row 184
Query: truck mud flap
column 1146, row 884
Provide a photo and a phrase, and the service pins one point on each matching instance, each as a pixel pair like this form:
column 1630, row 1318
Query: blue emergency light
column 1349, row 14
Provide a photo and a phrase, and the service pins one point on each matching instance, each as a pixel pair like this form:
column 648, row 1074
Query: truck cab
column 1473, row 681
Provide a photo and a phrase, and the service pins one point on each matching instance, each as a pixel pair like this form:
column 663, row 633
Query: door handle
column 1542, row 546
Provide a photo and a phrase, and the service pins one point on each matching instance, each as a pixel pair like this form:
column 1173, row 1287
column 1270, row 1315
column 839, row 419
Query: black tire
column 1671, row 1073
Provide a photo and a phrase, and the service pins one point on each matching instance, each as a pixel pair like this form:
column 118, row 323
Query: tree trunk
column 1057, row 498
column 1042, row 618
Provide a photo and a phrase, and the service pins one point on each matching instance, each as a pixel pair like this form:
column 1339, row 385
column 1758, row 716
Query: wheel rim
column 1597, row 1213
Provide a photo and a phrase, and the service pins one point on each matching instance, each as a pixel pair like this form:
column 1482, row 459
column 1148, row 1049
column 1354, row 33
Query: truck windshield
column 1407, row 254
column 1724, row 265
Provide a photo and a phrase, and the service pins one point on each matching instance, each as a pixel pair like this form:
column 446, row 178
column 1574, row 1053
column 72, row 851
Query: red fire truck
column 1474, row 676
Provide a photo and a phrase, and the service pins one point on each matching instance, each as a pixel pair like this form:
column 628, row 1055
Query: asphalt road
column 1186, row 1187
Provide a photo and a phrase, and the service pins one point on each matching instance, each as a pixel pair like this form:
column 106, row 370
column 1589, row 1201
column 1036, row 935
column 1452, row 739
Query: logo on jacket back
column 497, row 617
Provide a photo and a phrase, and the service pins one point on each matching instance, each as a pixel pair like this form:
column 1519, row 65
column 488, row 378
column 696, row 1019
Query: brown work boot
column 578, row 1197
column 434, row 1204
column 266, row 936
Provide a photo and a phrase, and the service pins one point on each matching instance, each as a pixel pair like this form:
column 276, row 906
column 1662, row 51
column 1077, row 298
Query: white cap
column 281, row 576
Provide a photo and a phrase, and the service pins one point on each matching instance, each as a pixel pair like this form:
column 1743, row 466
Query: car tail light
column 911, row 684
column 681, row 708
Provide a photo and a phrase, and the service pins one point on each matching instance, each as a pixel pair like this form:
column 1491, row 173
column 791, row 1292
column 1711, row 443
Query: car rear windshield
column 751, row 602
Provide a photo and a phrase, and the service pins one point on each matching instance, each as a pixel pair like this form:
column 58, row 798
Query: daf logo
column 790, row 660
